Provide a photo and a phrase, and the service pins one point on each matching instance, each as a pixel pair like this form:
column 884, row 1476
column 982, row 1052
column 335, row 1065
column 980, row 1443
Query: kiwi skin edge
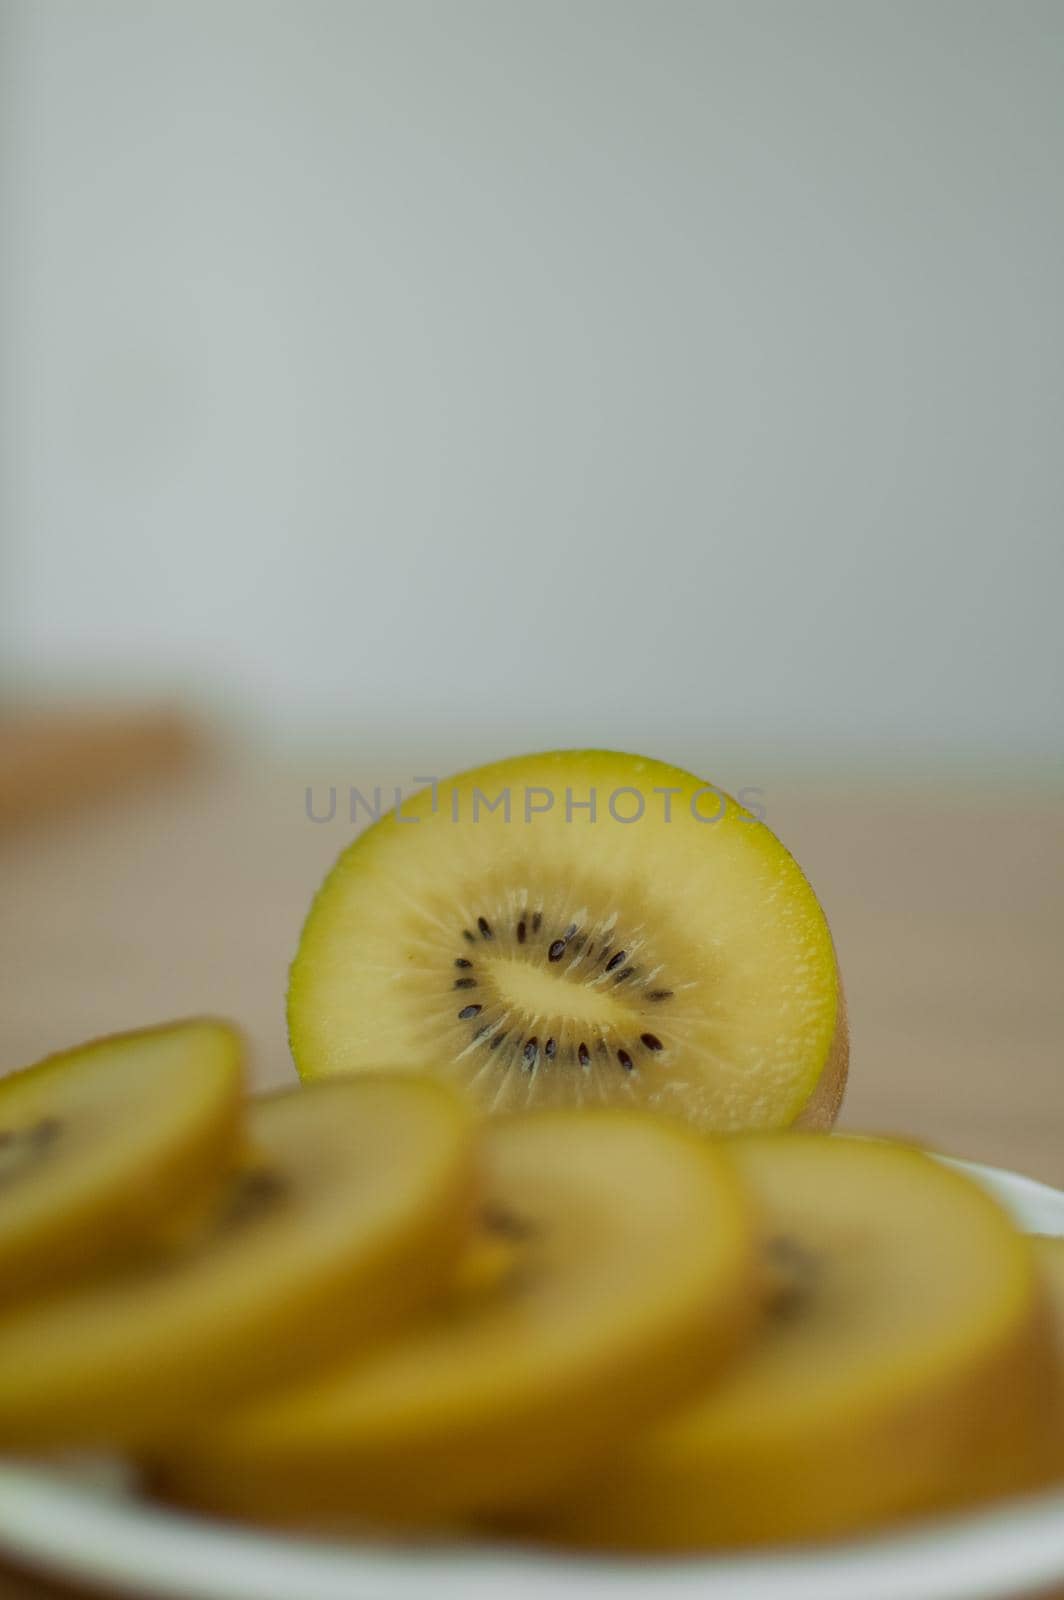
column 820, row 1112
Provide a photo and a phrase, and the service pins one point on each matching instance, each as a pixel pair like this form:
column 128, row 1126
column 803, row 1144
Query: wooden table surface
column 946, row 903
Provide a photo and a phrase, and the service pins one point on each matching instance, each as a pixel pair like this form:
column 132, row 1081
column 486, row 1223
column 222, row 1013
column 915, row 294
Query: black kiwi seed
column 660, row 994
column 469, row 1011
column 465, row 983
column 531, row 1052
column 485, row 928
column 651, row 1041
column 626, row 972
column 505, row 1223
column 795, row 1271
column 616, row 960
column 252, row 1193
column 556, row 951
column 521, row 932
column 625, row 1059
column 462, row 962
column 536, row 922
column 550, row 1048
column 497, row 1040
column 470, row 936
column 21, row 1145
column 39, row 1134
column 583, row 1055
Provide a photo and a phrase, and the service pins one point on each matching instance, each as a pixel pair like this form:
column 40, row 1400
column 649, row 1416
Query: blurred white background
column 561, row 370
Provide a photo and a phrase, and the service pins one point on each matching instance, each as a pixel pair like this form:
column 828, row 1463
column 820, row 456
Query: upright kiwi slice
column 632, row 1273
column 905, row 1365
column 577, row 928
column 102, row 1145
column 355, row 1203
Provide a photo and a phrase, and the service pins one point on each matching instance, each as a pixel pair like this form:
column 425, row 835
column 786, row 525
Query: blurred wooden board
column 54, row 761
column 947, row 908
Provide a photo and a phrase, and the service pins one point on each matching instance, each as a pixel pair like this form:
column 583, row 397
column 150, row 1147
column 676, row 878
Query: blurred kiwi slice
column 625, row 1270
column 351, row 1208
column 578, row 928
column 904, row 1365
column 104, row 1145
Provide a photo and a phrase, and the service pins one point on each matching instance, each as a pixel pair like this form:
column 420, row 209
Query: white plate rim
column 57, row 1525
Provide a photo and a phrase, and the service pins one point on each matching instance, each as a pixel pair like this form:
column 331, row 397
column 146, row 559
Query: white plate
column 103, row 1536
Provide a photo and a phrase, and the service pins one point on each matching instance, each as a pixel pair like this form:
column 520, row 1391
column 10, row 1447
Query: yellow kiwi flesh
column 904, row 1366
column 104, row 1145
column 352, row 1208
column 628, row 1272
column 577, row 928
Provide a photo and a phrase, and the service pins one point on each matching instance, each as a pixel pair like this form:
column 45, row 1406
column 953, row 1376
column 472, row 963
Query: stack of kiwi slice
column 554, row 1240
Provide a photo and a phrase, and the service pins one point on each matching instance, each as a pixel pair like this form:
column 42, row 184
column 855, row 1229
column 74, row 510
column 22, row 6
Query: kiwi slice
column 904, row 1365
column 353, row 1207
column 625, row 1271
column 577, row 928
column 103, row 1145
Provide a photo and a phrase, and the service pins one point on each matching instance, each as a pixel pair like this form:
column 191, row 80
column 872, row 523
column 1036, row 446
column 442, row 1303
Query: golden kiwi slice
column 632, row 1273
column 905, row 1365
column 578, row 928
column 102, row 1145
column 356, row 1204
